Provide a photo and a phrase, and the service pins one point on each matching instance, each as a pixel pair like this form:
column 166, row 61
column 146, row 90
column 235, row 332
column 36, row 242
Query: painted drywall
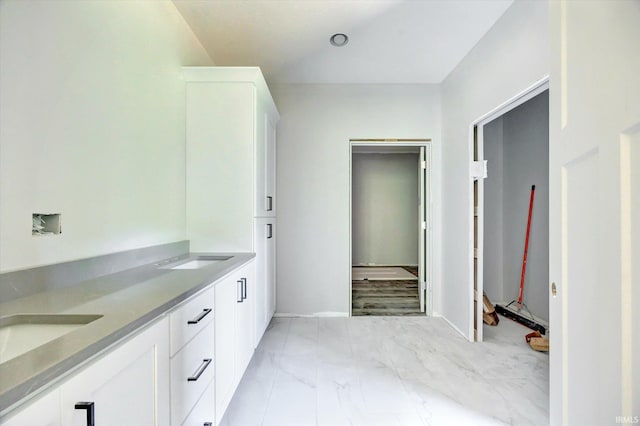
column 511, row 57
column 92, row 110
column 493, row 251
column 384, row 206
column 313, row 154
column 526, row 163
column 516, row 147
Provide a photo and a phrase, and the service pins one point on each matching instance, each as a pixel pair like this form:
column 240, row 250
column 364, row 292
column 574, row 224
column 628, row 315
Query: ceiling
column 390, row 41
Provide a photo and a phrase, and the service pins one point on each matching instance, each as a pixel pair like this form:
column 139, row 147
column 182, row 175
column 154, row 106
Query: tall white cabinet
column 230, row 168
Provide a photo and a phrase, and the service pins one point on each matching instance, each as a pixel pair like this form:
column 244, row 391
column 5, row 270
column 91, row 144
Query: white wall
column 316, row 124
column 384, row 209
column 92, row 126
column 516, row 147
column 511, row 57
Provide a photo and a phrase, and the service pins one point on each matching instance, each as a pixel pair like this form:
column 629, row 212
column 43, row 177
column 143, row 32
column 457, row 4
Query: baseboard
column 314, row 315
column 385, row 265
column 456, row 328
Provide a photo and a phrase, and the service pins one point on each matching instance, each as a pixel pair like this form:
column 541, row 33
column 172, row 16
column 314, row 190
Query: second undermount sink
column 200, row 262
column 23, row 332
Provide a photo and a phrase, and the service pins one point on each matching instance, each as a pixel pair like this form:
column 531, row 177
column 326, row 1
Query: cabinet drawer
column 204, row 412
column 190, row 318
column 192, row 369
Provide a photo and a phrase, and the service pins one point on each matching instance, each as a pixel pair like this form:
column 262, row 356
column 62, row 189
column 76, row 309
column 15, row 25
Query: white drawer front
column 204, row 412
column 190, row 318
column 192, row 370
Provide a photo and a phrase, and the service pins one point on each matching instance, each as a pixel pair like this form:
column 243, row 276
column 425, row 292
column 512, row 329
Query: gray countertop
column 127, row 300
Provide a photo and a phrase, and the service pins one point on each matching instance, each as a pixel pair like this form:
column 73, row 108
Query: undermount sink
column 24, row 332
column 200, row 262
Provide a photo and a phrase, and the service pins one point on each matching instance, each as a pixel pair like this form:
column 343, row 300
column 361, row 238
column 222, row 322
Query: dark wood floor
column 394, row 297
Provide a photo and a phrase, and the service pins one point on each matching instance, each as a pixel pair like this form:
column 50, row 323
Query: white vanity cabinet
column 234, row 337
column 127, row 386
column 192, row 356
column 231, row 124
column 42, row 411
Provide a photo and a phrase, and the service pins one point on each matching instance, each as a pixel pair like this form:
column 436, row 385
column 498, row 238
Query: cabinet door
column 265, row 237
column 265, row 157
column 270, row 269
column 260, row 299
column 226, row 297
column 270, row 165
column 127, row 386
column 45, row 411
column 245, row 320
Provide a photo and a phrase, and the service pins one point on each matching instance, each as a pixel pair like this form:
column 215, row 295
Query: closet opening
column 511, row 155
column 390, row 236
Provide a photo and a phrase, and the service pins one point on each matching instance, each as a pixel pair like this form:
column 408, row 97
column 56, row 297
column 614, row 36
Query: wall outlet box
column 46, row 224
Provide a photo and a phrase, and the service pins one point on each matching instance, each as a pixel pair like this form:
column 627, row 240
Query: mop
column 516, row 309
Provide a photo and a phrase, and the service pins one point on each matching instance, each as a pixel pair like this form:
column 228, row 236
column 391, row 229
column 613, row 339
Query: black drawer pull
column 203, row 366
column 269, row 230
column 269, row 203
column 89, row 406
column 200, row 317
column 240, row 290
column 244, row 288
column 208, row 424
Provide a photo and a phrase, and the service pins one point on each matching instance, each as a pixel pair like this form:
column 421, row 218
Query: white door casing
column 594, row 200
column 425, row 271
column 422, row 226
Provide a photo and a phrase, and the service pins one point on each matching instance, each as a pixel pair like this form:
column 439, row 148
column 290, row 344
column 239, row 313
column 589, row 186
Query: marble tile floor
column 386, row 371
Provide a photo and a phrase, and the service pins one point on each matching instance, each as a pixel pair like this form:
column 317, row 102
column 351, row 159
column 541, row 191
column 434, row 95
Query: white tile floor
column 390, row 371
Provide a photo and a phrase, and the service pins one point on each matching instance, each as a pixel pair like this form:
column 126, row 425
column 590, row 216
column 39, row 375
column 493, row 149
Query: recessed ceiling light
column 339, row 40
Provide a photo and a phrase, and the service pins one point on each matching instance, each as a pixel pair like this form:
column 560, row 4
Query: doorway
column 390, row 234
column 511, row 158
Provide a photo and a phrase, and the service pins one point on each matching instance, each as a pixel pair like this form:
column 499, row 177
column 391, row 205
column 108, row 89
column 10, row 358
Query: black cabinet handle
column 269, row 230
column 91, row 415
column 198, row 373
column 269, row 203
column 208, row 424
column 244, row 288
column 239, row 290
column 200, row 317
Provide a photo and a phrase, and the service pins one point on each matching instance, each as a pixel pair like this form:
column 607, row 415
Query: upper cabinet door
column 270, row 160
column 265, row 164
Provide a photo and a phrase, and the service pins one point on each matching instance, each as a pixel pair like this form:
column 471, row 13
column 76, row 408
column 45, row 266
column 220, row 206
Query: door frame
column 428, row 242
column 476, row 132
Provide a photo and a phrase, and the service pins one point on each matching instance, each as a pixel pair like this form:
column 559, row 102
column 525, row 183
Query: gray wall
column 524, row 139
column 385, row 209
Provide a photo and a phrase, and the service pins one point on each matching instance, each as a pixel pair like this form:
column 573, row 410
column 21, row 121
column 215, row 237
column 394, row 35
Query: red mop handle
column 526, row 246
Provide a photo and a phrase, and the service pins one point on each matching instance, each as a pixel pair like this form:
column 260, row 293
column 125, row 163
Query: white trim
column 314, row 315
column 531, row 92
column 426, row 143
column 456, row 328
column 513, row 102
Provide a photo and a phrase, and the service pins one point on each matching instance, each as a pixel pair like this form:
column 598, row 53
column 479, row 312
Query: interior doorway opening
column 511, row 151
column 390, row 227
